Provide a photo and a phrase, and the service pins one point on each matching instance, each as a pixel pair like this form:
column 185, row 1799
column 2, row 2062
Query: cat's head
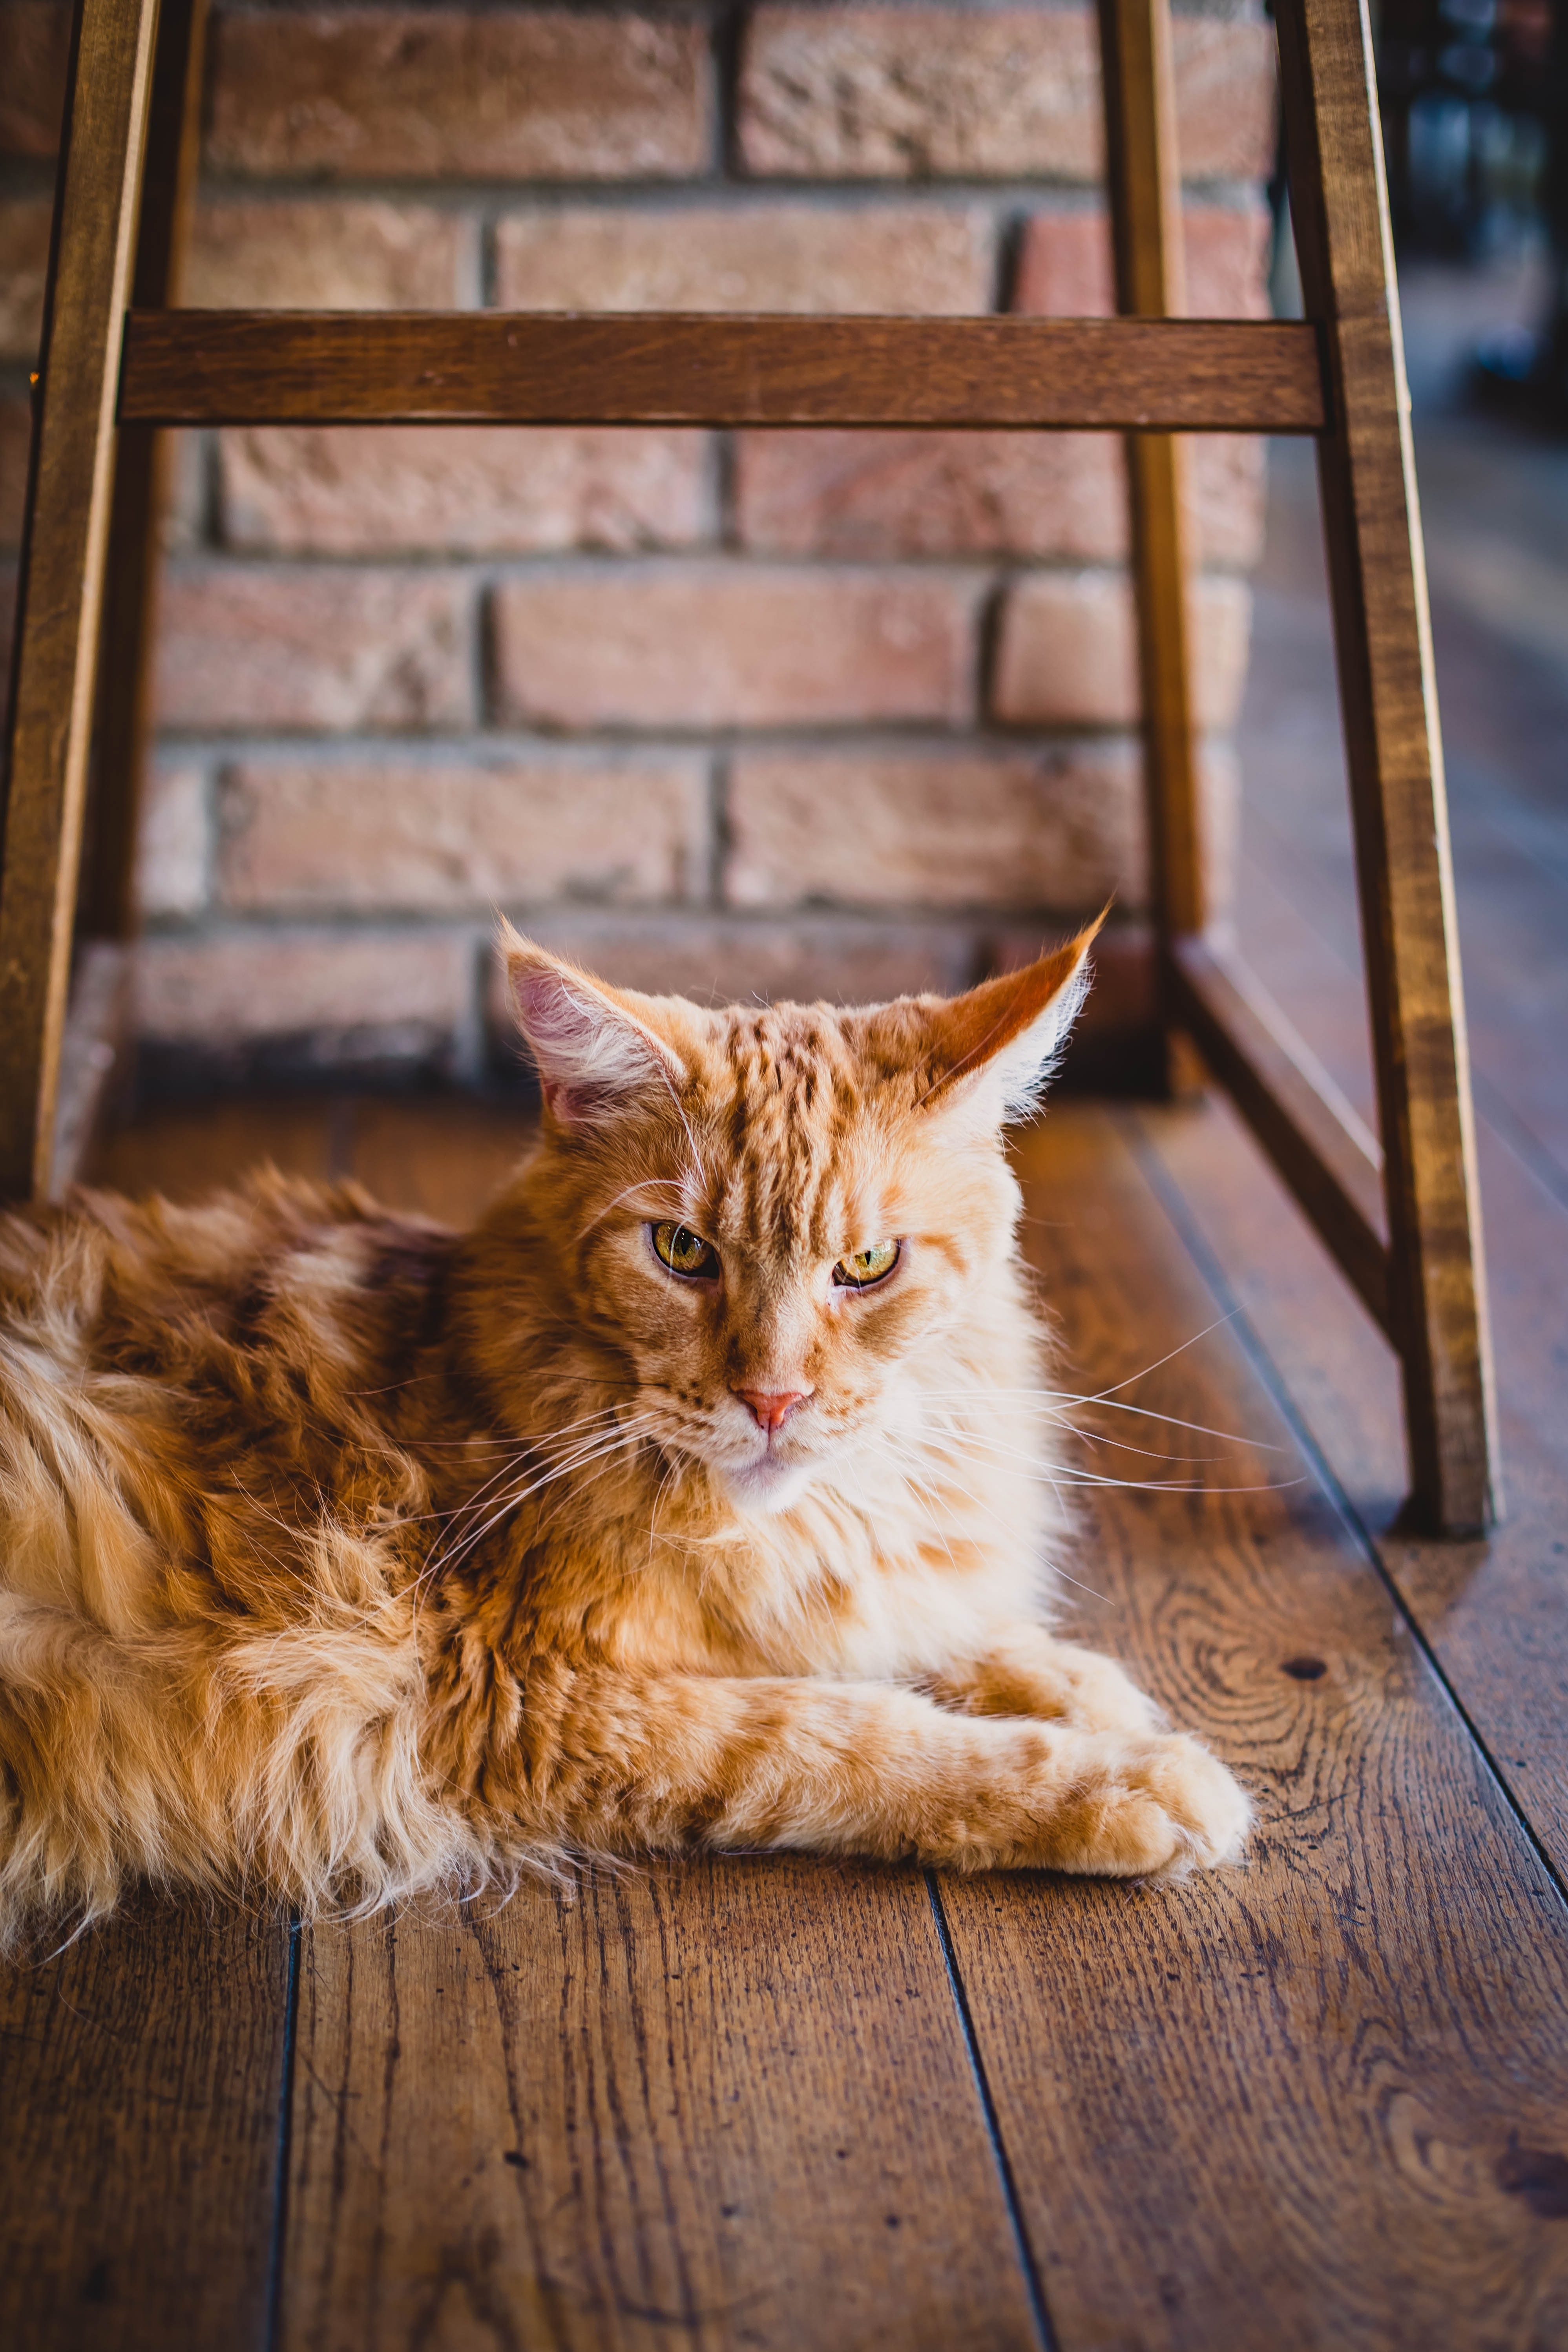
column 765, row 1211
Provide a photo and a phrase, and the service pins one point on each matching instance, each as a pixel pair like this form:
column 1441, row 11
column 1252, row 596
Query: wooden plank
column 1309, row 1129
column 1383, row 640
column 1318, row 2099
column 141, row 471
column 442, row 1161
column 141, row 2096
column 1493, row 1611
column 719, row 2103
column 276, row 367
column 61, row 579
column 1144, row 182
column 184, row 1151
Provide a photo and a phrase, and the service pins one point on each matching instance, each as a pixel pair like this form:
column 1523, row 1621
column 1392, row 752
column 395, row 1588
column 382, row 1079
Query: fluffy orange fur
column 342, row 1555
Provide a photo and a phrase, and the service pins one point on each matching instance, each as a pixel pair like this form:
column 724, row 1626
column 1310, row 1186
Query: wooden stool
column 117, row 365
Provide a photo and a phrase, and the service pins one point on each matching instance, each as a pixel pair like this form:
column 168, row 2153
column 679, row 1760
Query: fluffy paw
column 1098, row 1697
column 1145, row 1809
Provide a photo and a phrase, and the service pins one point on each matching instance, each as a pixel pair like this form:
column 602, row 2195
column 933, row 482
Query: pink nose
column 770, row 1411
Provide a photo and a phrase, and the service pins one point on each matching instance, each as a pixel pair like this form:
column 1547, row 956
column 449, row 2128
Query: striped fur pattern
column 343, row 1555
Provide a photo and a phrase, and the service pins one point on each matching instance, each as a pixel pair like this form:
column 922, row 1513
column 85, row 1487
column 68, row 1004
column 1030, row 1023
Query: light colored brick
column 34, row 37
column 911, row 92
column 15, row 439
column 425, row 94
column 1226, row 98
column 251, row 255
column 174, row 845
column 882, row 495
column 1057, row 828
column 1228, row 488
column 719, row 644
column 286, row 647
column 745, row 960
column 348, row 993
column 889, row 494
column 297, row 836
column 23, row 267
column 1064, row 270
column 914, row 260
column 463, row 490
column 1067, row 651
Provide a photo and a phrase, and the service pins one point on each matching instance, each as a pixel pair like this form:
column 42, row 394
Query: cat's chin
column 760, row 1489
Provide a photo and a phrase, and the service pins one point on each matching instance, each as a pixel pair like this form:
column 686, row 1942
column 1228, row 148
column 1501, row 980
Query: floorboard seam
column 1169, row 1193
column 1037, row 2302
column 285, row 2142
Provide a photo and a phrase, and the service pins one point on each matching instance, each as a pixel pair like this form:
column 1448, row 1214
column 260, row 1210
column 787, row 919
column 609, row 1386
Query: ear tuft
column 594, row 1055
column 1002, row 1043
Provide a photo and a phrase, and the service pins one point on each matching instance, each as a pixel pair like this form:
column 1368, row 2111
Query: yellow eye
column 685, row 1251
column 866, row 1267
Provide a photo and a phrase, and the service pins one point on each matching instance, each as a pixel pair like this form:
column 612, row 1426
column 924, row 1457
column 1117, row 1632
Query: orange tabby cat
column 692, row 1499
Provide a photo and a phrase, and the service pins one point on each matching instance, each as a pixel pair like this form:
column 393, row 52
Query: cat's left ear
column 594, row 1046
column 995, row 1048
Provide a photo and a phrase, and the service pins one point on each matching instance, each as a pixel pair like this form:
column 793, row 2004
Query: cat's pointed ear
column 996, row 1047
column 594, row 1046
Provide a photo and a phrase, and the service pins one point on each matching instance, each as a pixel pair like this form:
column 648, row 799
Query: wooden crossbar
column 273, row 367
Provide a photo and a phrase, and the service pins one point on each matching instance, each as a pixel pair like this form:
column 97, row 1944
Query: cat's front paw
column 1147, row 1809
column 1097, row 1696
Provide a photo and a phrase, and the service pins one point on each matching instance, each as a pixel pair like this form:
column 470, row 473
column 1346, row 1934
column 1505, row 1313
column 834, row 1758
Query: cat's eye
column 865, row 1266
column 685, row 1251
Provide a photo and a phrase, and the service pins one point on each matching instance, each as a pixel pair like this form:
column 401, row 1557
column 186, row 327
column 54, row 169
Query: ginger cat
column 693, row 1500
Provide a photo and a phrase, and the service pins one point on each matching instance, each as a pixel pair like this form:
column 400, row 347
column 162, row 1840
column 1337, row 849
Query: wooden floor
column 1320, row 2100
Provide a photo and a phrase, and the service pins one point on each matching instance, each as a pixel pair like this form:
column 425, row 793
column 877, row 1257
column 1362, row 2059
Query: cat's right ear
column 594, row 1054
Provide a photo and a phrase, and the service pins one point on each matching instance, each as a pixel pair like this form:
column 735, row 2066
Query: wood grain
column 141, row 472
column 60, row 584
column 141, row 2092
column 1320, row 2099
column 1314, row 1137
column 1492, row 1610
column 721, row 2104
column 1144, row 182
column 1382, row 642
column 260, row 367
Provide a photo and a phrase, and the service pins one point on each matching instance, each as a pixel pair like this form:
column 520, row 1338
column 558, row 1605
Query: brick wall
column 762, row 711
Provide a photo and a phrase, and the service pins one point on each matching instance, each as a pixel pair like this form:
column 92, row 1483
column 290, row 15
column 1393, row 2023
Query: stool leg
column 131, row 587
column 65, row 538
column 1378, row 586
column 1150, row 282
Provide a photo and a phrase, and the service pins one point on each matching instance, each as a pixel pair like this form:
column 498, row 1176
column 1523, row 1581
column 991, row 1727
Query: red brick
column 472, row 491
column 890, row 493
column 301, row 836
column 285, row 648
column 911, row 92
column 740, row 961
column 15, row 439
column 1067, row 651
column 1064, row 265
column 250, row 254
column 425, row 94
column 880, row 495
column 719, row 644
column 174, row 849
column 915, row 259
column 1057, row 828
column 35, row 39
column 235, row 989
column 23, row 266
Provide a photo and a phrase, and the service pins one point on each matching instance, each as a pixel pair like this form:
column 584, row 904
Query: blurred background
column 791, row 713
